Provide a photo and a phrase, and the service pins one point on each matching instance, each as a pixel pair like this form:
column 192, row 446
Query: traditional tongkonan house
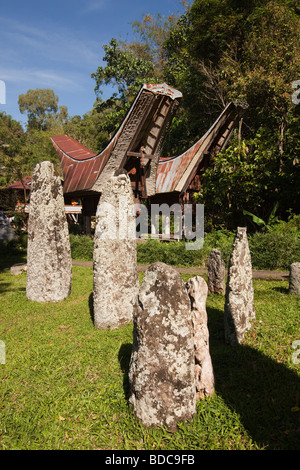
column 179, row 177
column 136, row 148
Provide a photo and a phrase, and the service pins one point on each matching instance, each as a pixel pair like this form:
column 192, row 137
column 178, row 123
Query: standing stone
column 204, row 376
column 216, row 272
column 239, row 297
column 294, row 279
column 6, row 231
column 116, row 281
column 161, row 373
column 49, row 262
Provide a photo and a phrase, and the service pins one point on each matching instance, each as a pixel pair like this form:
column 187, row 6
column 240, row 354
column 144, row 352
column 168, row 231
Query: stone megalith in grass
column 161, row 371
column 204, row 375
column 239, row 307
column 49, row 262
column 116, row 281
column 294, row 278
column 215, row 272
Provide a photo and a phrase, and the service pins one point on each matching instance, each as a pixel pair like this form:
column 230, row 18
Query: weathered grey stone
column 216, row 272
column 6, row 231
column 294, row 278
column 49, row 263
column 161, row 373
column 116, row 281
column 17, row 269
column 239, row 296
column 204, row 375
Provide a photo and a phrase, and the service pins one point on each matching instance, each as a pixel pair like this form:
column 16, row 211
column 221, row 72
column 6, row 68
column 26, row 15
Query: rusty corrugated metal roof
column 170, row 171
column 144, row 125
column 22, row 184
column 80, row 165
column 73, row 148
column 175, row 173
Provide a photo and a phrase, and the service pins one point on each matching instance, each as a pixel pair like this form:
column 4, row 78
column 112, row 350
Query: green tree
column 12, row 138
column 224, row 50
column 86, row 129
column 128, row 66
column 126, row 72
column 21, row 150
column 151, row 34
column 40, row 105
column 239, row 51
column 124, row 69
column 37, row 147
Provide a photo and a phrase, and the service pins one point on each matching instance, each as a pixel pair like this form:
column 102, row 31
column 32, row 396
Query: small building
column 15, row 194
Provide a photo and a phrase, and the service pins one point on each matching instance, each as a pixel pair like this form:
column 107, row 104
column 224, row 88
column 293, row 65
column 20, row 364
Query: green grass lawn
column 64, row 383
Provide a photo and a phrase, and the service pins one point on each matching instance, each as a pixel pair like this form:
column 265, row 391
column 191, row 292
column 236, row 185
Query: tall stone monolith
column 204, row 375
column 49, row 262
column 161, row 372
column 215, row 272
column 239, row 296
column 115, row 267
column 294, row 278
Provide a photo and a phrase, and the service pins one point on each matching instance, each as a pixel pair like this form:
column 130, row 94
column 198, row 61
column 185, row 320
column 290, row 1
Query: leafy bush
column 14, row 246
column 221, row 240
column 81, row 247
column 176, row 254
column 172, row 253
column 278, row 247
column 274, row 250
column 13, row 251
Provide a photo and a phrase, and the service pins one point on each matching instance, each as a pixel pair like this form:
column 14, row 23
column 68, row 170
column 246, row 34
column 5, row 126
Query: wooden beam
column 140, row 155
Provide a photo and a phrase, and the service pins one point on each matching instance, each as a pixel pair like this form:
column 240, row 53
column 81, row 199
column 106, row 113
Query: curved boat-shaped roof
column 80, row 165
column 175, row 173
column 144, row 126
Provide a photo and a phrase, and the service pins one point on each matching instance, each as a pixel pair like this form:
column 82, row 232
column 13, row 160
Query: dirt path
column 194, row 271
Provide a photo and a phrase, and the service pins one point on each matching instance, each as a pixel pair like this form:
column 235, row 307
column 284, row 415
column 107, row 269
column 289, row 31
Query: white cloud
column 41, row 79
column 95, row 5
column 23, row 42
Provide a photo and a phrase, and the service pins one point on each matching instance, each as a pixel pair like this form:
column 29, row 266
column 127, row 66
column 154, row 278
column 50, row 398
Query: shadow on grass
column 8, row 260
column 91, row 307
column 124, row 360
column 4, row 286
column 282, row 290
column 264, row 393
column 8, row 287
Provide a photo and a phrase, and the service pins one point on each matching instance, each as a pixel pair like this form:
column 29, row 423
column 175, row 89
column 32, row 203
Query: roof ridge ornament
column 163, row 88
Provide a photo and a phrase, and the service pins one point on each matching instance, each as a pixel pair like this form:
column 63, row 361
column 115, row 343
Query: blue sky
column 58, row 44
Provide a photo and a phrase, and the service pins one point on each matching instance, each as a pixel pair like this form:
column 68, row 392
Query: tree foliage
column 217, row 51
column 225, row 50
column 21, row 150
column 39, row 104
column 124, row 69
column 12, row 138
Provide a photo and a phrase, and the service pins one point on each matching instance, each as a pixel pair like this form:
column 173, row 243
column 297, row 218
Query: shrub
column 274, row 250
column 172, row 253
column 14, row 246
column 82, row 247
column 221, row 240
column 13, row 251
column 176, row 254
